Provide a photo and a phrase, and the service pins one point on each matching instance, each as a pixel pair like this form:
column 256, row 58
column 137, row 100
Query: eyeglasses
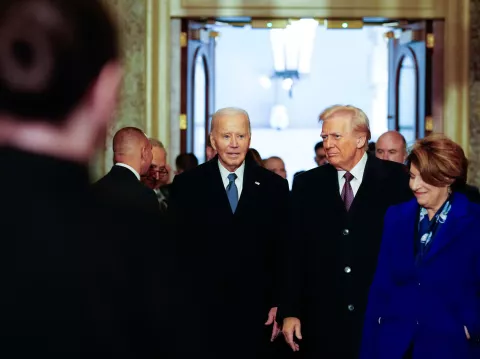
column 160, row 170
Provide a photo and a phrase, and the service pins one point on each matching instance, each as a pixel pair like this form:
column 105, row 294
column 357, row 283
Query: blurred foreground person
column 58, row 91
column 424, row 299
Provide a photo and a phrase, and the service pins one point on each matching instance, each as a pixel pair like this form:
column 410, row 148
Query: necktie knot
column 348, row 176
column 232, row 177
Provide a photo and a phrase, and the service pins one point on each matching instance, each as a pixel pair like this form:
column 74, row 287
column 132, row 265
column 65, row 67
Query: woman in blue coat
column 425, row 298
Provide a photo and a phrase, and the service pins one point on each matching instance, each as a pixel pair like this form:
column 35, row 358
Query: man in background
column 156, row 177
column 391, row 146
column 133, row 211
column 185, row 162
column 276, row 165
column 320, row 156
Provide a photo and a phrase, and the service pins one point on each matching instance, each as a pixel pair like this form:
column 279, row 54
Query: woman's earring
column 449, row 190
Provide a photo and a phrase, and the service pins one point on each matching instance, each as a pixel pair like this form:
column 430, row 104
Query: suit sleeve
column 402, row 192
column 281, row 209
column 290, row 301
column 380, row 289
column 474, row 325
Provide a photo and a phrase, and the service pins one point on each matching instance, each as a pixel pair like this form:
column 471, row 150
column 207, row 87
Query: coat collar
column 250, row 184
column 451, row 229
column 447, row 233
column 372, row 175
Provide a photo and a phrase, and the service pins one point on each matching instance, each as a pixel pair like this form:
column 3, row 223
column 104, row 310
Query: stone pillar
column 474, row 156
column 130, row 17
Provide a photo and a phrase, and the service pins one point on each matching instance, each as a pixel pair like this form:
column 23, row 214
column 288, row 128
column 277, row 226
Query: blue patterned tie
column 232, row 191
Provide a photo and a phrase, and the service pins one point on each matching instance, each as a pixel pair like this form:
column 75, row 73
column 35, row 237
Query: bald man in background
column 132, row 156
column 391, row 146
column 130, row 245
column 276, row 165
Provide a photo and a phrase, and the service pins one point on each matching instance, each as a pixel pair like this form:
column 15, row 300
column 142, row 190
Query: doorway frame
column 163, row 43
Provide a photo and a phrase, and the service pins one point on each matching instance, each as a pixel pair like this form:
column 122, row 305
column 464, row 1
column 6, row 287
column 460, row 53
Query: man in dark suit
column 157, row 175
column 133, row 211
column 229, row 217
column 121, row 187
column 337, row 222
column 58, row 94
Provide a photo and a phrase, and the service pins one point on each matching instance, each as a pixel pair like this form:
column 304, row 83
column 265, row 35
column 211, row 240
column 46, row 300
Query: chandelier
column 292, row 49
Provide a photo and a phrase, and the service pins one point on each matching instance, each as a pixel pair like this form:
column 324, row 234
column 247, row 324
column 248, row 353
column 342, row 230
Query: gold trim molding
column 456, row 59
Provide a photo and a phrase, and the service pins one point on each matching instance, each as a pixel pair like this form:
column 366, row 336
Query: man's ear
column 144, row 152
column 361, row 141
column 212, row 141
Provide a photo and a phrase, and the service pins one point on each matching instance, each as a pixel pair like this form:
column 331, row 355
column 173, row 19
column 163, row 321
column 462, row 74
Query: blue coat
column 427, row 304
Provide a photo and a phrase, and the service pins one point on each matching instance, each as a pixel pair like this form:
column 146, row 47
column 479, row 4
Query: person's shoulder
column 315, row 175
column 473, row 206
column 403, row 207
column 390, row 167
column 194, row 177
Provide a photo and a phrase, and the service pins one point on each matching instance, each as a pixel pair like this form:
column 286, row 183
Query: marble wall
column 475, row 93
column 130, row 16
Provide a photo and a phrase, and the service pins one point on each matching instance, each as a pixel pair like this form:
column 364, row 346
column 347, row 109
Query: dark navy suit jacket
column 430, row 303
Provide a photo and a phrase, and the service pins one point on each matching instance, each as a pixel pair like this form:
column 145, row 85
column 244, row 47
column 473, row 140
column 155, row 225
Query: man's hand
column 467, row 333
column 272, row 315
column 291, row 325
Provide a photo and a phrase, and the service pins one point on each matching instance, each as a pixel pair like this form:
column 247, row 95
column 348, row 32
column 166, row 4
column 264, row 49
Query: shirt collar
column 130, row 168
column 224, row 172
column 358, row 170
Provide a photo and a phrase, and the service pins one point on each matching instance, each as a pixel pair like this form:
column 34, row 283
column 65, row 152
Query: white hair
column 230, row 111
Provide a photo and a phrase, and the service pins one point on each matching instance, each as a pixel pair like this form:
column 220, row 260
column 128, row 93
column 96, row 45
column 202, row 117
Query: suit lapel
column 332, row 182
column 219, row 194
column 405, row 230
column 451, row 229
column 371, row 177
column 250, row 186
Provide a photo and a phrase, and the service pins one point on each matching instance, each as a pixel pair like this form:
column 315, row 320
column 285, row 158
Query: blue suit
column 430, row 303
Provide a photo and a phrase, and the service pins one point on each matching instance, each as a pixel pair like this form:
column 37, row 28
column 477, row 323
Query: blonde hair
column 360, row 122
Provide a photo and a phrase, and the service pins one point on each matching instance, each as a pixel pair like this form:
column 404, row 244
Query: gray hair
column 156, row 143
column 230, row 111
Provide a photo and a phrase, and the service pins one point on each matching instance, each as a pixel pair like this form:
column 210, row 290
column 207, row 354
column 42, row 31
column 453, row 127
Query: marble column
column 130, row 16
column 474, row 169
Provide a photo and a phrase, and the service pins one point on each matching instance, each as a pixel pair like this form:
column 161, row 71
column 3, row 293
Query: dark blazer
column 43, row 232
column 430, row 303
column 121, row 189
column 227, row 264
column 333, row 254
column 133, row 244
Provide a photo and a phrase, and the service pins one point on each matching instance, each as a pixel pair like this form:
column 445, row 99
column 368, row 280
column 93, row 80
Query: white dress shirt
column 130, row 168
column 357, row 173
column 238, row 182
